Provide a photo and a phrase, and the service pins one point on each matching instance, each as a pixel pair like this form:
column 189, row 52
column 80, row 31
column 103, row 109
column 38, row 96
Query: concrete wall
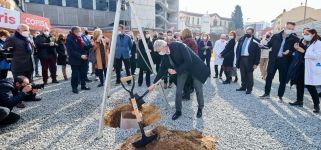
column 68, row 16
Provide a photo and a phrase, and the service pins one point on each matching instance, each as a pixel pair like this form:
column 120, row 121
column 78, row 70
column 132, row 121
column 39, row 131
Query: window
column 55, row 2
column 72, row 3
column 102, row 4
column 37, row 1
column 87, row 4
column 112, row 5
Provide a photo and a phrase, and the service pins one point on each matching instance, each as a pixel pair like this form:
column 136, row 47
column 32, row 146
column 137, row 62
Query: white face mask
column 231, row 37
column 147, row 36
column 25, row 34
column 197, row 37
column 288, row 32
column 119, row 32
column 204, row 38
column 80, row 33
column 46, row 33
column 3, row 39
column 308, row 37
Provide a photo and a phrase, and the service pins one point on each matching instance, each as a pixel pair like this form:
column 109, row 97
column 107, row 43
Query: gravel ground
column 63, row 120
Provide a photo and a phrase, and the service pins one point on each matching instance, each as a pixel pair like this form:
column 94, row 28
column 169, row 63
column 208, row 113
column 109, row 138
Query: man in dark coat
column 248, row 55
column 77, row 59
column 282, row 45
column 12, row 93
column 47, row 54
column 22, row 50
column 181, row 60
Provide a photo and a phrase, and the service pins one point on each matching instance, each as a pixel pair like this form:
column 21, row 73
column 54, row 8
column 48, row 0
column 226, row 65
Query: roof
column 200, row 15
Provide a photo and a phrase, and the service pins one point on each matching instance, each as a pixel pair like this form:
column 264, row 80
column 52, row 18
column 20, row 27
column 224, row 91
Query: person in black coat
column 282, row 45
column 13, row 92
column 248, row 55
column 142, row 59
column 181, row 60
column 205, row 50
column 62, row 54
column 228, row 55
column 133, row 57
column 77, row 59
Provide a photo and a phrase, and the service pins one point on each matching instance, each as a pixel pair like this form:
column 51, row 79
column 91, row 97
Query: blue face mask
column 307, row 37
column 80, row 33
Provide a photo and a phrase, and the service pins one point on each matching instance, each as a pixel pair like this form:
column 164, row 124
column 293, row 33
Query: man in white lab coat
column 218, row 48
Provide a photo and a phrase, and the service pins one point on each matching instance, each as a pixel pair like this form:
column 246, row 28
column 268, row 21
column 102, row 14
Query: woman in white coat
column 218, row 48
column 313, row 66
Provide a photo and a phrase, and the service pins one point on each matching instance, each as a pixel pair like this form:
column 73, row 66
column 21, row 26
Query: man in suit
column 77, row 59
column 179, row 59
column 123, row 48
column 282, row 45
column 248, row 55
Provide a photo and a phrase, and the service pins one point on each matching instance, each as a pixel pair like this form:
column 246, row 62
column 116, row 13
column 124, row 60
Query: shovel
column 137, row 102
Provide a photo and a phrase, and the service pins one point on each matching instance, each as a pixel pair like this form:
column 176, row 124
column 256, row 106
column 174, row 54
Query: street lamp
column 305, row 11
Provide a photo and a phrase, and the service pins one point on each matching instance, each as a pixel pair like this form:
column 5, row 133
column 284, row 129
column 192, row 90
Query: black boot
column 316, row 109
column 297, row 103
column 176, row 115
column 199, row 113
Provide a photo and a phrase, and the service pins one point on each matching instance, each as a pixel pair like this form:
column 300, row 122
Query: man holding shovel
column 179, row 59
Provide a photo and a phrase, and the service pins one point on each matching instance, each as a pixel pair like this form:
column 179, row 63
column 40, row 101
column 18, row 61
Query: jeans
column 78, row 74
column 36, row 58
column 181, row 79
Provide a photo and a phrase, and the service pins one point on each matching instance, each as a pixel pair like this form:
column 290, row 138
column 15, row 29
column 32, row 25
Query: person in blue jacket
column 122, row 55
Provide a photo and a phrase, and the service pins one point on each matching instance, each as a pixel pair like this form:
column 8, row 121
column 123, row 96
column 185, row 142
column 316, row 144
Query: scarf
column 28, row 42
column 79, row 41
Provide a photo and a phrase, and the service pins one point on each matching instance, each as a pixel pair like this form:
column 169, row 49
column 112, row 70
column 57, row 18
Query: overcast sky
column 256, row 10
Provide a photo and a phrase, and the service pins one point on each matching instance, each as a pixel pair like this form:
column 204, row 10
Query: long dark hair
column 315, row 37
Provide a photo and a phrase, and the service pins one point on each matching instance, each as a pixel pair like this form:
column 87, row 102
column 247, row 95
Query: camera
column 36, row 87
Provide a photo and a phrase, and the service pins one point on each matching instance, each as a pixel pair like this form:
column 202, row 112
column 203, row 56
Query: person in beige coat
column 101, row 50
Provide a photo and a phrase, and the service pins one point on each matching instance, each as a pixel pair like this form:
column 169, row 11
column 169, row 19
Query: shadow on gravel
column 293, row 131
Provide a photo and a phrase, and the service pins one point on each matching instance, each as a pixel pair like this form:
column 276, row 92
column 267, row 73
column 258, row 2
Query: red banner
column 35, row 22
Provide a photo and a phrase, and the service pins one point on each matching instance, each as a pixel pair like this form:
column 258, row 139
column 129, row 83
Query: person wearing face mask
column 88, row 47
column 264, row 56
column 101, row 49
column 142, row 59
column 35, row 55
column 122, row 54
column 307, row 57
column 218, row 48
column 22, row 50
column 46, row 45
column 198, row 39
column 228, row 55
column 282, row 46
column 4, row 63
column 180, row 60
column 248, row 55
column 77, row 59
column 206, row 49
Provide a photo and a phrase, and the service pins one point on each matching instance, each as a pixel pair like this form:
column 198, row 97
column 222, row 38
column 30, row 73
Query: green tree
column 237, row 18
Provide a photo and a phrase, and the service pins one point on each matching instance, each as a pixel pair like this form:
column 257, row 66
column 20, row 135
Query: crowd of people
column 180, row 58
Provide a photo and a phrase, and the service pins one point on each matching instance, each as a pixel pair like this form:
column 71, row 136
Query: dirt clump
column 172, row 140
column 151, row 114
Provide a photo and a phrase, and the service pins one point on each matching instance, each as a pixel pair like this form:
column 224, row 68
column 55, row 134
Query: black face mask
column 86, row 33
column 248, row 35
column 267, row 36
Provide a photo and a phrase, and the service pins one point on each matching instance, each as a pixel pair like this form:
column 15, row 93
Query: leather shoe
column 75, row 91
column 85, row 88
column 55, row 81
column 88, row 81
column 316, row 109
column 176, row 115
column 199, row 113
column 265, row 96
column 248, row 92
column 227, row 82
column 100, row 85
column 241, row 89
column 297, row 103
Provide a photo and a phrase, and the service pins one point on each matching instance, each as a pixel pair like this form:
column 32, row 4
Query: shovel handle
column 136, row 111
column 126, row 79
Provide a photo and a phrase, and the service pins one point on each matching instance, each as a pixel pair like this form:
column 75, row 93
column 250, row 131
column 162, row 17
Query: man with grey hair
column 248, row 55
column 179, row 59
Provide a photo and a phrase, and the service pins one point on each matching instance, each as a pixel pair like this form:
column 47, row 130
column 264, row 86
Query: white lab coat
column 218, row 48
column 313, row 64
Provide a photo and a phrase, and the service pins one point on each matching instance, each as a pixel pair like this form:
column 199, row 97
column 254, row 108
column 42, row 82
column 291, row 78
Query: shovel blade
column 144, row 141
